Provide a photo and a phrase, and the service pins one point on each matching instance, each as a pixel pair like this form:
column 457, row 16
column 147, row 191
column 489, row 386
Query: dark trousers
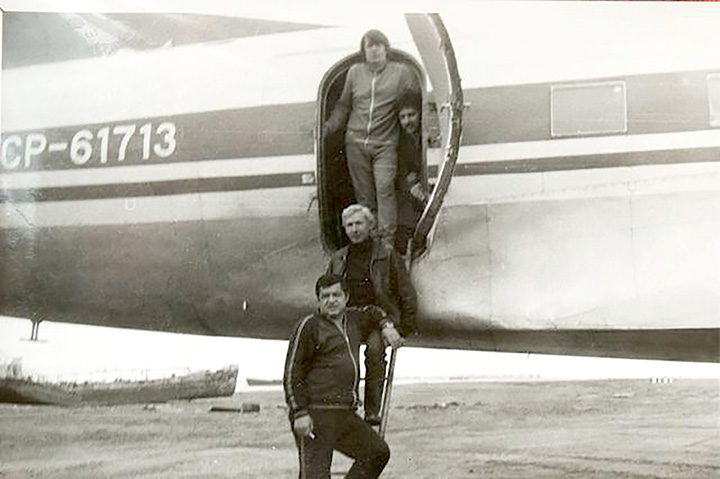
column 344, row 431
column 374, row 372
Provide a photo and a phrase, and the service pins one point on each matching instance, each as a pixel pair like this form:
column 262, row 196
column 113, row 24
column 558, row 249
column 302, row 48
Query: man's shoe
column 372, row 419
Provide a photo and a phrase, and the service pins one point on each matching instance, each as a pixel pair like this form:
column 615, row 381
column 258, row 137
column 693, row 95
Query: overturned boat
column 194, row 385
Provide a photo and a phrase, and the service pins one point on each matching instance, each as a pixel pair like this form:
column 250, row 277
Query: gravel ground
column 594, row 429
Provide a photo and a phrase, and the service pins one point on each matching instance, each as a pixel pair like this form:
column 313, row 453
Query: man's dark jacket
column 322, row 367
column 394, row 292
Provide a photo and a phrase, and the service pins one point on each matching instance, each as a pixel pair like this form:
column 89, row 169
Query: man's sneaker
column 372, row 419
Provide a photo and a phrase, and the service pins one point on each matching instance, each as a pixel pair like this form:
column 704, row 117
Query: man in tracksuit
column 367, row 107
column 375, row 275
column 321, row 384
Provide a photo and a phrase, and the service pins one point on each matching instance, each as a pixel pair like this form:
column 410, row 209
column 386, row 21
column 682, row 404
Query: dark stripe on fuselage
column 160, row 188
column 285, row 180
column 610, row 160
column 657, row 103
column 275, row 130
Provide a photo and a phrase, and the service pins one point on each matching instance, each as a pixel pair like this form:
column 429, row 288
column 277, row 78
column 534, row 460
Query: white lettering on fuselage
column 105, row 145
column 11, row 157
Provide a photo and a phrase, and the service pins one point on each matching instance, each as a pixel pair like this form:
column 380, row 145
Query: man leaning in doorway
column 367, row 108
column 375, row 275
column 411, row 193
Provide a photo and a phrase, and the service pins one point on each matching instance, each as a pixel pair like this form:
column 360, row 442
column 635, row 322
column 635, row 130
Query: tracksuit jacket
column 368, row 103
column 322, row 366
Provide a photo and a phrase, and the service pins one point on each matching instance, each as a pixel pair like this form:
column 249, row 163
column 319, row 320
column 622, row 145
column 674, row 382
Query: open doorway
column 335, row 190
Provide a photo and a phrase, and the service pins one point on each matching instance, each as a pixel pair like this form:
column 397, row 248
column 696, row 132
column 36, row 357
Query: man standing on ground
column 321, row 384
column 375, row 275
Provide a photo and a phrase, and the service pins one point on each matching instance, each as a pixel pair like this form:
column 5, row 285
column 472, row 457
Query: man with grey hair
column 375, row 275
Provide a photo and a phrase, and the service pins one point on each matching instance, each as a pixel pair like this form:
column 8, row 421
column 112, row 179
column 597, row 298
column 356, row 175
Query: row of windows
column 601, row 107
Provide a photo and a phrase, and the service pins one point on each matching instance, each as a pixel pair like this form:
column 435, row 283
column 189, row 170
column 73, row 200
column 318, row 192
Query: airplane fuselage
column 176, row 190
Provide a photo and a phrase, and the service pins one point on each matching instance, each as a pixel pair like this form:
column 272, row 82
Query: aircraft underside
column 599, row 276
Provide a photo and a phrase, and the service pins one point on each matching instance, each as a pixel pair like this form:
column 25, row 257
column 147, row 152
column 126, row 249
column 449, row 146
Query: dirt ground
column 599, row 429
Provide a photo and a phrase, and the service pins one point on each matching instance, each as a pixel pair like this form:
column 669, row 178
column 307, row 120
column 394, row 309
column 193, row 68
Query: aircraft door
column 334, row 184
column 433, row 43
column 335, row 190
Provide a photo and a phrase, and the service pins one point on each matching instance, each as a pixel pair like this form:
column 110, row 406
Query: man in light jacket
column 367, row 108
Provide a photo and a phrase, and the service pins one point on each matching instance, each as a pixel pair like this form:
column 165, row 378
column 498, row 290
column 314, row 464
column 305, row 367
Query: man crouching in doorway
column 375, row 275
column 321, row 383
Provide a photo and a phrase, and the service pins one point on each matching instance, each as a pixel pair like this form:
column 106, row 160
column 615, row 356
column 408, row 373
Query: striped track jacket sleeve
column 297, row 363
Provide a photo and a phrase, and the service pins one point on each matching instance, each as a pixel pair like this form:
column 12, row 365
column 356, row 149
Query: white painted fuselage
column 175, row 189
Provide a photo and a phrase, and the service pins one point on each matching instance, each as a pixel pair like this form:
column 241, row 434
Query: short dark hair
column 329, row 279
column 374, row 37
column 410, row 99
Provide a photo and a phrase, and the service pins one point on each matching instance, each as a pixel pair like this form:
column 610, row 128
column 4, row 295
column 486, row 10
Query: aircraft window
column 588, row 109
column 713, row 80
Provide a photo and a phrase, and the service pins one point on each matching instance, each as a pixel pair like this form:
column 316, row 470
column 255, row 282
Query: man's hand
column 303, row 426
column 391, row 336
column 417, row 192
